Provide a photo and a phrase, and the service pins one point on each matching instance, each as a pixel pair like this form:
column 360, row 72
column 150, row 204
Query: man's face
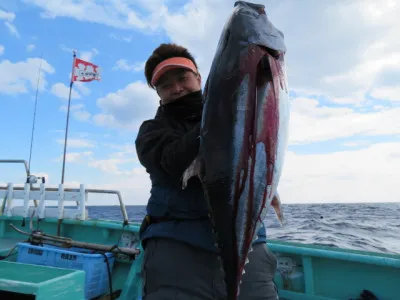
column 177, row 83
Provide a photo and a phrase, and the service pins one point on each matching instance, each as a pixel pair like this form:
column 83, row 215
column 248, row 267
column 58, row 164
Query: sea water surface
column 370, row 226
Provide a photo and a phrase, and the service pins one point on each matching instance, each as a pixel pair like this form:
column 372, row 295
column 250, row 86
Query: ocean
column 370, row 226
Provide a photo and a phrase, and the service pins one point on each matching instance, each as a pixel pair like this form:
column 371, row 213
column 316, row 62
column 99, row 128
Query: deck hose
column 109, row 274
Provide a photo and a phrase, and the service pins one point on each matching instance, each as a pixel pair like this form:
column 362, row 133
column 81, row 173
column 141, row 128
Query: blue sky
column 344, row 128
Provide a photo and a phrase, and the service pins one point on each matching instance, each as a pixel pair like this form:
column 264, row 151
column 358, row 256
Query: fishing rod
column 30, row 178
column 34, row 111
column 38, row 236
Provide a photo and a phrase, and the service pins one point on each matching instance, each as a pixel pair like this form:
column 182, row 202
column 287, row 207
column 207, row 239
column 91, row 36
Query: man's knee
column 257, row 281
column 175, row 269
column 262, row 262
column 271, row 259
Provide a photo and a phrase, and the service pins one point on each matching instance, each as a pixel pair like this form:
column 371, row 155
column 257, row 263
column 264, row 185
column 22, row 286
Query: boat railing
column 16, row 161
column 121, row 203
column 42, row 193
column 29, row 178
column 27, row 193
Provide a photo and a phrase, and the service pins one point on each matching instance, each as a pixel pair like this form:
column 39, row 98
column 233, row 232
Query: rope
column 109, row 274
column 9, row 253
column 3, row 204
column 2, row 257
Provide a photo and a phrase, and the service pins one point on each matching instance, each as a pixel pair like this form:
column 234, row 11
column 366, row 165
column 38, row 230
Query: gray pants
column 257, row 281
column 174, row 271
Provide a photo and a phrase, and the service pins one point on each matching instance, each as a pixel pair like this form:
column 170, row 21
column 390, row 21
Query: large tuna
column 244, row 133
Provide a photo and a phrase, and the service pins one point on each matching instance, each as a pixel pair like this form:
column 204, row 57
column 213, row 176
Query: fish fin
column 276, row 204
column 194, row 169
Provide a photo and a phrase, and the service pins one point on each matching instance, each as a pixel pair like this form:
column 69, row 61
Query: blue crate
column 94, row 265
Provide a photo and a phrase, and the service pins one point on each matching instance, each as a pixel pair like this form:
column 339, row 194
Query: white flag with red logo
column 85, row 71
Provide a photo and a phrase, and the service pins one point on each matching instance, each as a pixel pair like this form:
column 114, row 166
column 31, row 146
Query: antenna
column 34, row 112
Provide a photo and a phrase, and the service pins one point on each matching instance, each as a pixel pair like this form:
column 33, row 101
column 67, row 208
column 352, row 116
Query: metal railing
column 87, row 191
column 16, row 161
column 121, row 203
column 94, row 191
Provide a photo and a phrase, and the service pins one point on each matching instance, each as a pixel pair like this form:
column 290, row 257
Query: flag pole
column 66, row 127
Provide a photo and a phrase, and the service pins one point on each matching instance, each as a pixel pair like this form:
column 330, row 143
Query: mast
column 66, row 127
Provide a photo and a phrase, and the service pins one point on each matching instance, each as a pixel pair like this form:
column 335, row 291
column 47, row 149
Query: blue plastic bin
column 94, row 264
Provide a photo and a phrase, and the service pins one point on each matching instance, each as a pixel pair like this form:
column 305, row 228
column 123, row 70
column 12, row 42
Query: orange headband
column 170, row 64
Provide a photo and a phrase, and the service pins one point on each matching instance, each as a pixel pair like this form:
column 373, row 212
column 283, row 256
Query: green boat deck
column 43, row 282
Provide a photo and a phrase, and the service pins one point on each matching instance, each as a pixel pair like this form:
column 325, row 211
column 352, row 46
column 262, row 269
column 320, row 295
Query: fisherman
column 181, row 260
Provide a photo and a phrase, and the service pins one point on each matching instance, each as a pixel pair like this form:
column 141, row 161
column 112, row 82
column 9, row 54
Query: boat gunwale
column 102, row 223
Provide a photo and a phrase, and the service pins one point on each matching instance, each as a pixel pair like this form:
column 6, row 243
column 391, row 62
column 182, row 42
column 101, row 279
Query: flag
column 85, row 71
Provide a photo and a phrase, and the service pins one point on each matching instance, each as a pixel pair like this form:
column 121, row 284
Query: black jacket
column 166, row 146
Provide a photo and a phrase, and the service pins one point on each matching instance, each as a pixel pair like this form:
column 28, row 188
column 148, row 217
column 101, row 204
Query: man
column 180, row 258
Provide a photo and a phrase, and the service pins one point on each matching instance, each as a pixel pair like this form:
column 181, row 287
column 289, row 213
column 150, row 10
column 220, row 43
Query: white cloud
column 81, row 87
column 67, row 49
column 127, row 107
column 75, row 157
column 125, row 158
column 1, row 49
column 74, row 107
column 310, row 122
column 391, row 93
column 62, row 91
column 107, row 120
column 117, row 14
column 123, row 173
column 134, row 188
column 124, row 150
column 356, row 143
column 13, row 30
column 8, row 18
column 123, row 65
column 367, row 175
column 42, row 174
column 77, row 143
column 30, row 47
column 111, row 166
column 127, row 39
column 78, row 111
column 366, row 42
column 18, row 77
column 86, row 55
column 82, row 115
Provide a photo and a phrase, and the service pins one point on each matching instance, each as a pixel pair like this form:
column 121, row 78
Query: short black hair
column 161, row 53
